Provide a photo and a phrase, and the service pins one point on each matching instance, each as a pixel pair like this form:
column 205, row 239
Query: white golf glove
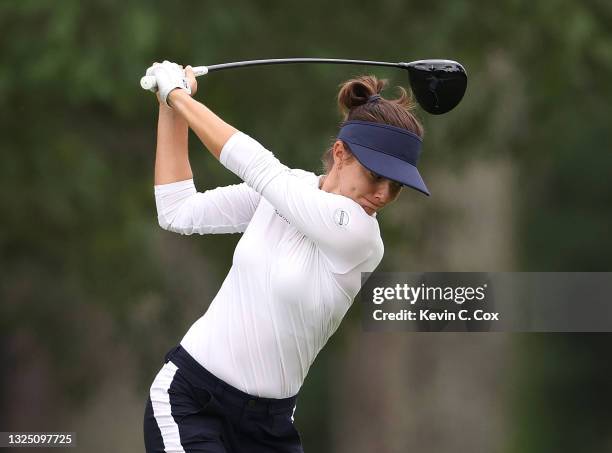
column 169, row 76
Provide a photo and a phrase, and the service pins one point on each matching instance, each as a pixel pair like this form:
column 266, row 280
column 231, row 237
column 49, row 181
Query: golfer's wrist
column 176, row 97
column 170, row 117
column 164, row 109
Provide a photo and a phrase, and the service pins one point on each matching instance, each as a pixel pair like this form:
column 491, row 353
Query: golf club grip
column 149, row 82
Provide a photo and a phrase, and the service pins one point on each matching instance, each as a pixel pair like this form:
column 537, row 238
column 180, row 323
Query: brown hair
column 353, row 104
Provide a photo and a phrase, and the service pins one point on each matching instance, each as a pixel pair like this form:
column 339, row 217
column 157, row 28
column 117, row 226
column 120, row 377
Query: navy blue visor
column 389, row 151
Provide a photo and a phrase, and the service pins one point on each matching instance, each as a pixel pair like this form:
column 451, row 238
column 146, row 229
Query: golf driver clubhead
column 438, row 85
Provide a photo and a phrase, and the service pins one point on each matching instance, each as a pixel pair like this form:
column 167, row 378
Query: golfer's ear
column 340, row 153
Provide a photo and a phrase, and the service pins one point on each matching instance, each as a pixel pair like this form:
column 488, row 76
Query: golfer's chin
column 368, row 210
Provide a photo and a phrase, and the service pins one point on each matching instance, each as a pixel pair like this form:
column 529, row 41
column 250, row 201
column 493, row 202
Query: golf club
column 438, row 85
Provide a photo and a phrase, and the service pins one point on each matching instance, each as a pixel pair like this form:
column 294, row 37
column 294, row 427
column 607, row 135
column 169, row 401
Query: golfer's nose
column 384, row 192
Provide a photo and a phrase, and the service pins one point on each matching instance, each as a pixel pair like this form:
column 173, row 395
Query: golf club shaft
column 149, row 83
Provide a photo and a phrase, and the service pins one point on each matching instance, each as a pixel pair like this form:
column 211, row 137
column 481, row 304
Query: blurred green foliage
column 79, row 242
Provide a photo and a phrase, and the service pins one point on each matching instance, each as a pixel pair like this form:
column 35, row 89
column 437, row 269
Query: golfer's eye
column 375, row 176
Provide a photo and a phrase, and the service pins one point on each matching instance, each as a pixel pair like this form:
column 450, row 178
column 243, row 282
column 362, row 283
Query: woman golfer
column 232, row 383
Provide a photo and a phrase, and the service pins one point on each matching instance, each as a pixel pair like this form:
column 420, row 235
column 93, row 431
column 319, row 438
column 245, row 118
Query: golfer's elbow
column 175, row 220
column 172, row 202
column 164, row 222
column 173, row 226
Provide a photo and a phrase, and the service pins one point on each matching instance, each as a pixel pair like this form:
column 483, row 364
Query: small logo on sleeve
column 282, row 216
column 341, row 217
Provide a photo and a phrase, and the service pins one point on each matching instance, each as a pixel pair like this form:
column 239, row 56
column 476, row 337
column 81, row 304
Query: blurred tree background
column 93, row 292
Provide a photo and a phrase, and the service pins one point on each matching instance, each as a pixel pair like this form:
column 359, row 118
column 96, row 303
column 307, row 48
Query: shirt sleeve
column 181, row 209
column 343, row 231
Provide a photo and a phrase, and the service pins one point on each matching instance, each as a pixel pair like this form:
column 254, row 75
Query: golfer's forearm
column 210, row 129
column 172, row 156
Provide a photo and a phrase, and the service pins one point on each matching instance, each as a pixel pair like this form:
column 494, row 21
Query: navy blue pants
column 191, row 410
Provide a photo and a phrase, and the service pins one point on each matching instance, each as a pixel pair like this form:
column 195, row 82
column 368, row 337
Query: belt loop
column 219, row 390
column 243, row 408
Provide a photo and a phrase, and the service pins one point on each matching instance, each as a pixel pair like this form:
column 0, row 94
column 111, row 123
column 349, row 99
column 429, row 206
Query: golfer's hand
column 191, row 79
column 170, row 76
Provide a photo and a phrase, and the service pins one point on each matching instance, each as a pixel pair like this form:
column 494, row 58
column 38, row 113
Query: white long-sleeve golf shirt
column 295, row 271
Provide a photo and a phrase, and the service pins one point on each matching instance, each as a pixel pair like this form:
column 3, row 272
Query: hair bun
column 366, row 89
column 357, row 91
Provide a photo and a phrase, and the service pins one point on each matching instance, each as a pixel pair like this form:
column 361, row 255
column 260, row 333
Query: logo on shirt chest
column 341, row 217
